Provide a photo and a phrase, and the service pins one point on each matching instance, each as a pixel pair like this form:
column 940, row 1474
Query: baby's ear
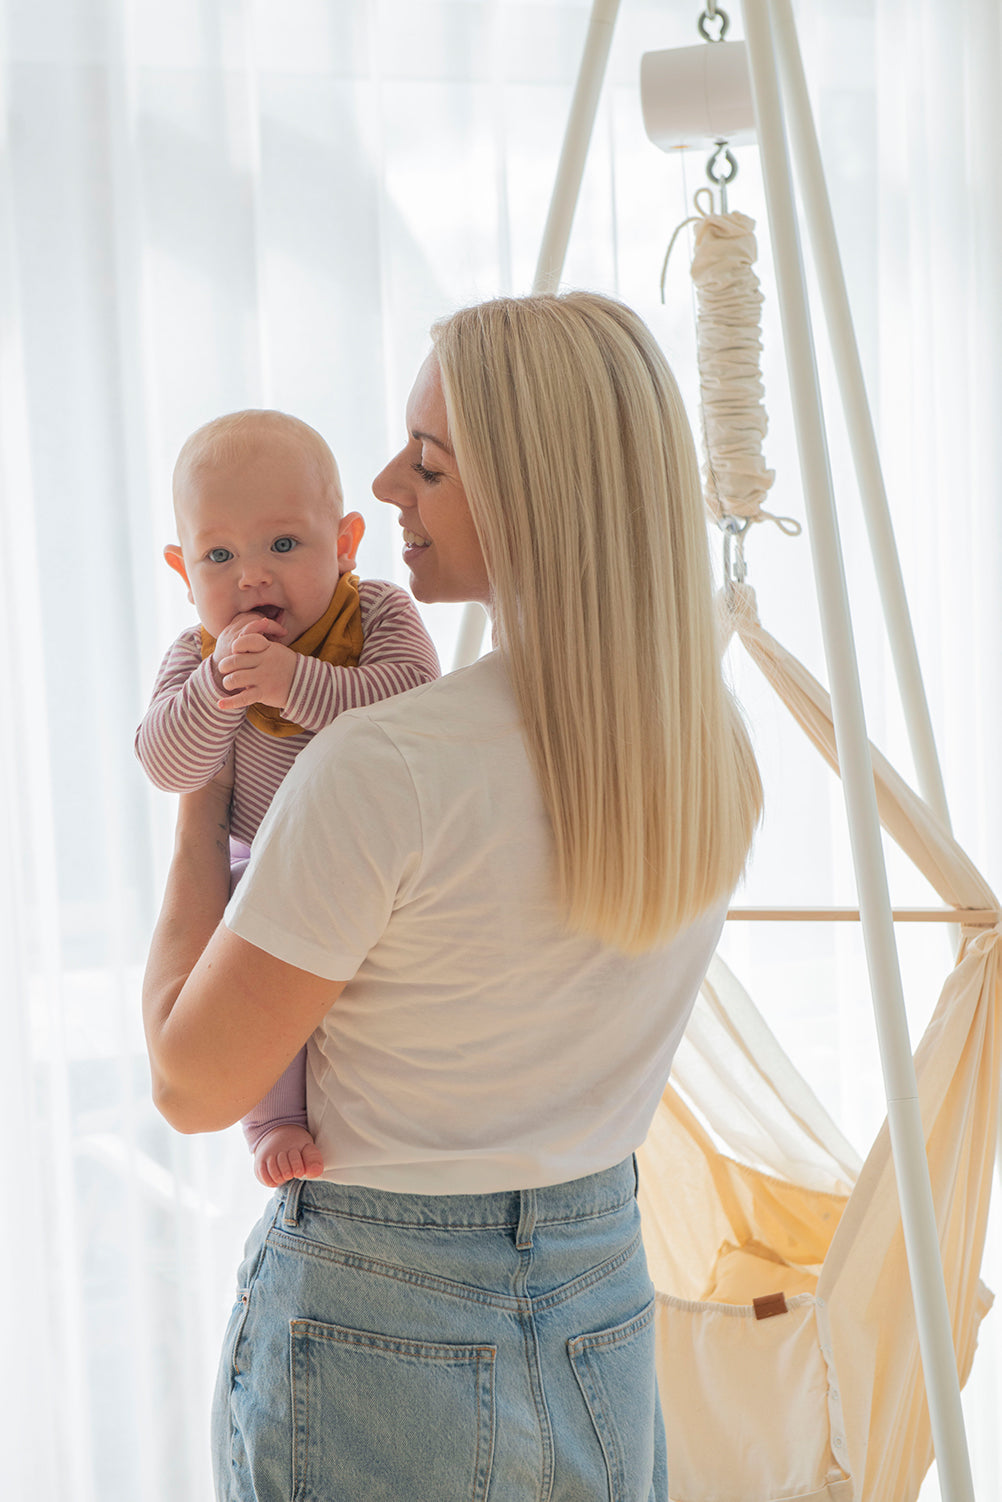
column 349, row 535
column 175, row 560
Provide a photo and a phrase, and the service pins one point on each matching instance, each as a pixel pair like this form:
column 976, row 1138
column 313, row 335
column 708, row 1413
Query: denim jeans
column 449, row 1348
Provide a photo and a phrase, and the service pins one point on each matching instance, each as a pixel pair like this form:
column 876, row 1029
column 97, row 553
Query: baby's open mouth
column 272, row 612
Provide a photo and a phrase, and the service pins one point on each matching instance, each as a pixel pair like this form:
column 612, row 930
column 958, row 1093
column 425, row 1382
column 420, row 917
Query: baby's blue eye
column 284, row 544
column 219, row 555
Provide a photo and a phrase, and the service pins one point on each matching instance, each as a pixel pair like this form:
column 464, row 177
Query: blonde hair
column 579, row 466
column 237, row 435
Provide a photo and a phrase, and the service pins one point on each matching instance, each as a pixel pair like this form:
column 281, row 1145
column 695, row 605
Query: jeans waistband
column 519, row 1209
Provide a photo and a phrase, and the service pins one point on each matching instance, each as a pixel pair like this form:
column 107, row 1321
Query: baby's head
column 259, row 511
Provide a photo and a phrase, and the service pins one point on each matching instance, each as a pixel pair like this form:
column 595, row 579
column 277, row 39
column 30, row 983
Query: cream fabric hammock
column 817, row 1393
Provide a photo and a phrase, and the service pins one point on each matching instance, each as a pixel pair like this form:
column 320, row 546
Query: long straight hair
column 579, row 466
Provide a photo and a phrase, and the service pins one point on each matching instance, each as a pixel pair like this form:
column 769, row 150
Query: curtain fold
column 225, row 203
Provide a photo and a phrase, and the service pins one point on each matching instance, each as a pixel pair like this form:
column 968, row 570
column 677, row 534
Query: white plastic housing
column 694, row 95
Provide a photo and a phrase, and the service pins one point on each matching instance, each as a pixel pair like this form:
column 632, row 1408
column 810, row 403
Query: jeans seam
column 588, row 1279
column 458, row 1353
column 619, row 1335
column 593, row 1393
column 530, row 1345
column 445, row 1225
column 245, row 1297
column 297, row 1246
column 508, row 1302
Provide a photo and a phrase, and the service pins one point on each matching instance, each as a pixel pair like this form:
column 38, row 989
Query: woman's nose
column 390, row 484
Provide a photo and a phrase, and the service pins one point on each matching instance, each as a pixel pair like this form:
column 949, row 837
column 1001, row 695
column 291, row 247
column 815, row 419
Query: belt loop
column 292, row 1194
column 526, row 1219
column 636, row 1177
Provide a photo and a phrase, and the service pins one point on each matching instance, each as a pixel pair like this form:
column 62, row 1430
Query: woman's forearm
column 198, row 885
column 223, row 1018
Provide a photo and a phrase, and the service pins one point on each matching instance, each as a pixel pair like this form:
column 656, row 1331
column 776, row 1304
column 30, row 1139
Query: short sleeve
column 335, row 854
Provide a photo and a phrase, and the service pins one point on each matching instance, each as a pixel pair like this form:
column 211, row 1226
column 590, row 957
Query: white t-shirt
column 478, row 1045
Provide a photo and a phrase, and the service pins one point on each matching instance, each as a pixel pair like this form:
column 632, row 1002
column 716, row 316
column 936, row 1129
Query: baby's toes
column 282, row 1168
column 294, row 1159
column 313, row 1162
column 265, row 1175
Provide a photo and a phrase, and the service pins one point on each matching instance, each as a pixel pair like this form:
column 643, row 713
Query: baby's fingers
column 238, row 662
column 258, row 625
column 240, row 700
column 245, row 676
column 251, row 640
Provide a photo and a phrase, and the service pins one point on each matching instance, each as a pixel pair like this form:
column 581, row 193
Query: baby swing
column 791, row 1362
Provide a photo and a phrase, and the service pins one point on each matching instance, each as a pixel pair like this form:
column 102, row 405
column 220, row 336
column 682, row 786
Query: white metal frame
column 852, row 389
column 577, row 139
column 774, row 55
column 903, row 1115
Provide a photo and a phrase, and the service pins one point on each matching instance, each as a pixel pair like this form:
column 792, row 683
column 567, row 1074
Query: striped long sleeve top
column 185, row 737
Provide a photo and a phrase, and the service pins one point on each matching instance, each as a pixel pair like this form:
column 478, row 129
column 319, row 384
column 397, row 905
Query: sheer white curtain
column 220, row 203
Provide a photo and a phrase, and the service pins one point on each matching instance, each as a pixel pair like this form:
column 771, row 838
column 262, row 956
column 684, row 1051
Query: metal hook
column 710, row 14
column 734, row 529
column 720, row 179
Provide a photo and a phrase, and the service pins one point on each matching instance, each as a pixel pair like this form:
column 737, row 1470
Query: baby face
column 259, row 533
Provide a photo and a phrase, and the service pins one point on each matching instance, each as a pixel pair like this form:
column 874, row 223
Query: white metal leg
column 862, row 439
column 577, row 138
column 563, row 202
column 904, row 1120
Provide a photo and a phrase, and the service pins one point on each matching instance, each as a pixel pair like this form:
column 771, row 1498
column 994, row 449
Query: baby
column 289, row 637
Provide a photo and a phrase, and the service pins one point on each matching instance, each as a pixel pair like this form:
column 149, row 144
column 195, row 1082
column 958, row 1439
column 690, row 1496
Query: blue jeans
column 448, row 1348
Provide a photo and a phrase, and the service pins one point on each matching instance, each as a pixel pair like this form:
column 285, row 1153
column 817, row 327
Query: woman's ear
column 349, row 535
column 175, row 560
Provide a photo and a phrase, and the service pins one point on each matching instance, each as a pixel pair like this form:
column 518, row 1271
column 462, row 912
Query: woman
column 488, row 904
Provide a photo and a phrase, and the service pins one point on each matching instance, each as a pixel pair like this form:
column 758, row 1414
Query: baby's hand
column 245, row 621
column 256, row 670
column 287, row 1152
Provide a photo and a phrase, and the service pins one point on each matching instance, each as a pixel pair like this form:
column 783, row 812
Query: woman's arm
column 223, row 1018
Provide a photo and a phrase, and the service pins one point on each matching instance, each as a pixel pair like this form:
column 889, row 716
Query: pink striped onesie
column 184, row 738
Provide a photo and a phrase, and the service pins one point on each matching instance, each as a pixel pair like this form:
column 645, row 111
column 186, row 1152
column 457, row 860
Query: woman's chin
column 422, row 590
column 429, row 589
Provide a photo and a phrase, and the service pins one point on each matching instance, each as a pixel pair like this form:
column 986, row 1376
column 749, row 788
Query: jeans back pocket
column 380, row 1417
column 616, row 1374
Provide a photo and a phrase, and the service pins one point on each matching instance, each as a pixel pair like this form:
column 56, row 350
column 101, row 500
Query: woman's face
column 441, row 547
